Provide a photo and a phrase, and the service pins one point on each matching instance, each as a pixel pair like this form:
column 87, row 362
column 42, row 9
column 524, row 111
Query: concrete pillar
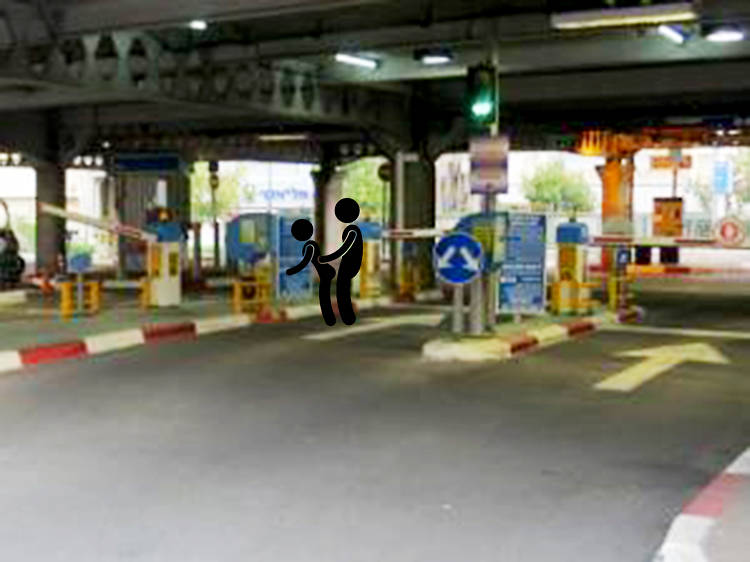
column 50, row 231
column 413, row 206
column 617, row 201
column 328, row 190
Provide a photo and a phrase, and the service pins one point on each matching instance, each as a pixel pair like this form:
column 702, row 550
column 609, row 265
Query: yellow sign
column 669, row 163
column 668, row 216
column 174, row 264
column 155, row 260
column 568, row 262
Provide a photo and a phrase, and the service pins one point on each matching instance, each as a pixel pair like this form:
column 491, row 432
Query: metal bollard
column 95, row 296
column 67, row 302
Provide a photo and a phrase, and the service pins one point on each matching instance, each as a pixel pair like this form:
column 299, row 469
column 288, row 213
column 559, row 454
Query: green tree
column 704, row 192
column 25, row 230
column 232, row 191
column 551, row 184
column 361, row 182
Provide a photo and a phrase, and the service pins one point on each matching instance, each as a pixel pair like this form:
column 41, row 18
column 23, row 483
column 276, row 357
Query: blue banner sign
column 523, row 278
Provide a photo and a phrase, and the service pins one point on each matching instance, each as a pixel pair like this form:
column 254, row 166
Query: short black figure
column 302, row 230
column 350, row 252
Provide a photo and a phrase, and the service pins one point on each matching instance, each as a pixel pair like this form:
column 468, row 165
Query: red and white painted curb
column 689, row 533
column 121, row 339
column 506, row 346
column 13, row 360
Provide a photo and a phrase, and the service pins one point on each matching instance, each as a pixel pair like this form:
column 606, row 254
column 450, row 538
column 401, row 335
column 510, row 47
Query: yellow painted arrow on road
column 658, row 360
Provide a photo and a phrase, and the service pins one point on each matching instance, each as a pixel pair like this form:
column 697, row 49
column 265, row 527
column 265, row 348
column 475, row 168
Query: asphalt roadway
column 259, row 445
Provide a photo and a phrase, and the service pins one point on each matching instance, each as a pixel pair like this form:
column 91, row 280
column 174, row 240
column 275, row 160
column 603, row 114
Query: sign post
column 458, row 261
column 213, row 168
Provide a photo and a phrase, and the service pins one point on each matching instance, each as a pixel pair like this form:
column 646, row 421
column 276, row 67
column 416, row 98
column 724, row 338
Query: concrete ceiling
column 547, row 76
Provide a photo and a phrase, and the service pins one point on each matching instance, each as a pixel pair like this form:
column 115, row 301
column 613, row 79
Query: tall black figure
column 302, row 229
column 350, row 252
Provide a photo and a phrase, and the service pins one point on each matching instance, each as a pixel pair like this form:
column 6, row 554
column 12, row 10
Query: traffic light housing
column 482, row 94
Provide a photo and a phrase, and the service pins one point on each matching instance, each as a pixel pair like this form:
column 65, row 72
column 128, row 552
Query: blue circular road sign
column 79, row 263
column 458, row 258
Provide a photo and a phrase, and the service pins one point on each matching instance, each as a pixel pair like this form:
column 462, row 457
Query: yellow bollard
column 237, row 289
column 145, row 297
column 94, row 303
column 67, row 303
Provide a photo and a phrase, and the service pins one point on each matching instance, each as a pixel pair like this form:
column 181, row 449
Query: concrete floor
column 259, row 446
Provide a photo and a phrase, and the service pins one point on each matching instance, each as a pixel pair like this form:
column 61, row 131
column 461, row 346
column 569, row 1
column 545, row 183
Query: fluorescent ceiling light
column 432, row 60
column 433, row 56
column 198, row 25
column 283, row 137
column 671, row 33
column 614, row 17
column 356, row 61
column 725, row 35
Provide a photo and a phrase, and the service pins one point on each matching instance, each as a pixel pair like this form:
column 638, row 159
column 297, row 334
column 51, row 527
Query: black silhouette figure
column 350, row 252
column 302, row 229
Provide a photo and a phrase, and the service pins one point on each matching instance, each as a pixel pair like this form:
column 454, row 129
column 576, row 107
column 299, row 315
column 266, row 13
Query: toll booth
column 368, row 283
column 256, row 241
column 164, row 262
column 571, row 293
column 144, row 181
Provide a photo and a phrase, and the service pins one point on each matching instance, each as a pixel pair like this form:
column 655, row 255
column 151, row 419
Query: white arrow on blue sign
column 458, row 258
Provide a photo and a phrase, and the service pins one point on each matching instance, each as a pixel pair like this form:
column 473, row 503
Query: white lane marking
column 103, row 343
column 10, row 361
column 658, row 360
column 684, row 332
column 376, row 324
column 741, row 466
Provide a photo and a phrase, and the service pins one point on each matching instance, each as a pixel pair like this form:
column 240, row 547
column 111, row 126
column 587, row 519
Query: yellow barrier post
column 67, row 304
column 237, row 300
column 94, row 297
column 145, row 297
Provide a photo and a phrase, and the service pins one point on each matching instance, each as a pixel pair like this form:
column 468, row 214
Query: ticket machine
column 165, row 259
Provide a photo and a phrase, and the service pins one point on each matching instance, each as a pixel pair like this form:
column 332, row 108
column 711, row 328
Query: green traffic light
column 481, row 108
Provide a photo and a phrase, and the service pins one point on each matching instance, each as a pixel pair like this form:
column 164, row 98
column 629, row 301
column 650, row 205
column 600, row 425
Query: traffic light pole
column 489, row 207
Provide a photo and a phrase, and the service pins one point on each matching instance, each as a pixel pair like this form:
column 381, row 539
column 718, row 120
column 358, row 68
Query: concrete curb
column 13, row 360
column 690, row 531
column 508, row 345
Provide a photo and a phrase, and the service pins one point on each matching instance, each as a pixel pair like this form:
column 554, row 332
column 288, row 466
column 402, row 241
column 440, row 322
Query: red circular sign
column 731, row 232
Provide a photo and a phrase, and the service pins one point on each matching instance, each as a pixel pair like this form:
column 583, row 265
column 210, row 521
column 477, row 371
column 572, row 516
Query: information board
column 524, row 277
column 667, row 219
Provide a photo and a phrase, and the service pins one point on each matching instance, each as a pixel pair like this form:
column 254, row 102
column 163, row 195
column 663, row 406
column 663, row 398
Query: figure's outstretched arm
column 348, row 242
column 301, row 265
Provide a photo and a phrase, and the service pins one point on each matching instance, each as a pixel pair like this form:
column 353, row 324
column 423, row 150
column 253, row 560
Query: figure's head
column 302, row 229
column 347, row 210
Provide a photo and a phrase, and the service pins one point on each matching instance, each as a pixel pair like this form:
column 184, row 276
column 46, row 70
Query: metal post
column 217, row 258
column 458, row 309
column 80, row 298
column 197, row 266
column 399, row 216
column 476, row 326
